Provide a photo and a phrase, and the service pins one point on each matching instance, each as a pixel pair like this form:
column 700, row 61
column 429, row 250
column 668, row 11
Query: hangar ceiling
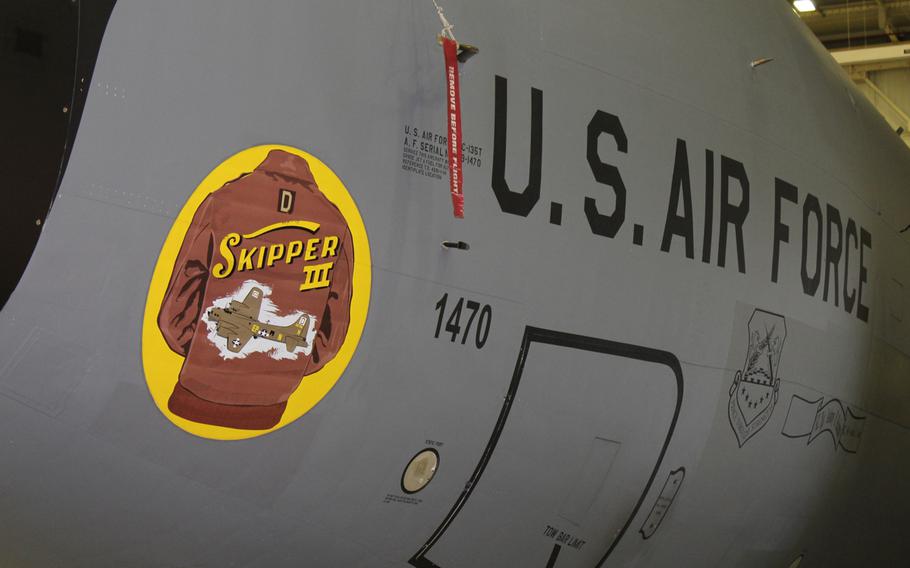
column 871, row 41
column 858, row 23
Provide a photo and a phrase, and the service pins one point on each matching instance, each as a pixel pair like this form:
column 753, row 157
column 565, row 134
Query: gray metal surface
column 94, row 475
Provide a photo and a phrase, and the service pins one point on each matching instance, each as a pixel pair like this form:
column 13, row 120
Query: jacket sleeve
column 333, row 325
column 182, row 304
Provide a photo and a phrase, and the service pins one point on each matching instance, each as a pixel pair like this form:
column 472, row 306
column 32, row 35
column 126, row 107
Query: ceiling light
column 804, row 5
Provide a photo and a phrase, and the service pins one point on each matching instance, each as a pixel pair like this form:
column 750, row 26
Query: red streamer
column 453, row 132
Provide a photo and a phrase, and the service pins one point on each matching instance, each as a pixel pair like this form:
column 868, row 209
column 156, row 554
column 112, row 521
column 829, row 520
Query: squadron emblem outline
column 755, row 390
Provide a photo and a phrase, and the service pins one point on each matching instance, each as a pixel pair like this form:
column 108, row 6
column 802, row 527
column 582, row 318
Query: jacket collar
column 287, row 165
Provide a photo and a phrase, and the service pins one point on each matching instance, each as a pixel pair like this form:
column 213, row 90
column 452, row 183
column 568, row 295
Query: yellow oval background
column 162, row 365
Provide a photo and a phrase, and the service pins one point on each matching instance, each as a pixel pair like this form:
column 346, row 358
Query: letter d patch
column 286, row 201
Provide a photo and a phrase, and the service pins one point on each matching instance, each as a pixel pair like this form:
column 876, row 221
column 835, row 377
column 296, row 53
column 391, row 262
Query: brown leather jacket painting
column 259, row 296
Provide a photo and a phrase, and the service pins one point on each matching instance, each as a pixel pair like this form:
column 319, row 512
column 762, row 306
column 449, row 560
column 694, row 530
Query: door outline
column 559, row 339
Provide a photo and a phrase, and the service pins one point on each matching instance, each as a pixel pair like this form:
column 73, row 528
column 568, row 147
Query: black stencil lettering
column 638, row 234
column 732, row 214
column 782, row 190
column 606, row 225
column 709, row 206
column 849, row 298
column 680, row 186
column 811, row 207
column 556, row 213
column 833, row 253
column 865, row 241
column 516, row 203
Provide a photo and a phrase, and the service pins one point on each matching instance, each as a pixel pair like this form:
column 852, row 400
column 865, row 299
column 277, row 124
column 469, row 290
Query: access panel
column 582, row 431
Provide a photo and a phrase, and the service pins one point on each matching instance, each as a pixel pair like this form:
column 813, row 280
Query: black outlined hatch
column 578, row 442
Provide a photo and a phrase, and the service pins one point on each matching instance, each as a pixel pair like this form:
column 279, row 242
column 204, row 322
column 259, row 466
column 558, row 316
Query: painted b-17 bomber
column 240, row 322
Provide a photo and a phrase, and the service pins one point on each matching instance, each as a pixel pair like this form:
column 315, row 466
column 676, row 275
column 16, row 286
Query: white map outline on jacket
column 268, row 313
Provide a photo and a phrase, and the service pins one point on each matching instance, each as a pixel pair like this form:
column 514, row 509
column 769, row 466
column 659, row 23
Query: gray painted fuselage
column 598, row 418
